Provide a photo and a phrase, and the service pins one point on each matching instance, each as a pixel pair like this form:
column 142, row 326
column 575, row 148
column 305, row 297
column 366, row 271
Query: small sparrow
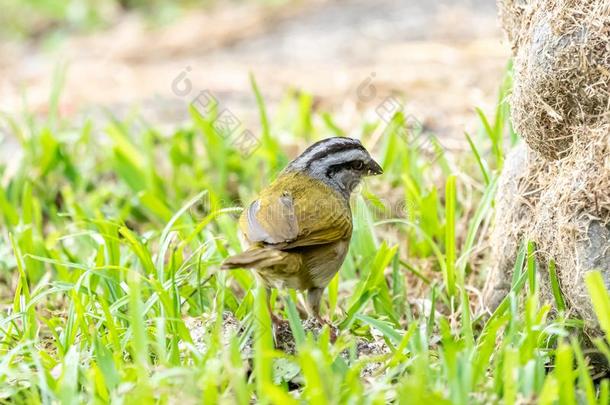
column 299, row 228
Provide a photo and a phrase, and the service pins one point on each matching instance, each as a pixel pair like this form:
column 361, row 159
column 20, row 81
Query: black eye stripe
column 327, row 152
column 351, row 164
column 331, row 150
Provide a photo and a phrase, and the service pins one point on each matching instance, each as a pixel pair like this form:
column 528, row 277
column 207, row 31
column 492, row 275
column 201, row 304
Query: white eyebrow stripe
column 303, row 159
column 340, row 157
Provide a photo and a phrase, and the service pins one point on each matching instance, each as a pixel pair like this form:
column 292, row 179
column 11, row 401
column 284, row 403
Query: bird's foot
column 279, row 322
column 332, row 329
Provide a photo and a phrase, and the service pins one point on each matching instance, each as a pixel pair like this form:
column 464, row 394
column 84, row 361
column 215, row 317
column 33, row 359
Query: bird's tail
column 260, row 258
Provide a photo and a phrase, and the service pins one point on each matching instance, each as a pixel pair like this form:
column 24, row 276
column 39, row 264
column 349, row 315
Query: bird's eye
column 358, row 165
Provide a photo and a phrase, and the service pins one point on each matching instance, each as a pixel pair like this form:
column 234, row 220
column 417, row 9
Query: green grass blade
column 565, row 374
column 450, row 254
column 600, row 300
column 559, row 301
column 482, row 165
column 295, row 322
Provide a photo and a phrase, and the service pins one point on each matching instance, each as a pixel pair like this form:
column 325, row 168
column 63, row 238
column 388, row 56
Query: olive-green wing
column 296, row 211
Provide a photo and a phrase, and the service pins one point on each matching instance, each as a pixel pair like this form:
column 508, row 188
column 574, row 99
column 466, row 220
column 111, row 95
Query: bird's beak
column 374, row 169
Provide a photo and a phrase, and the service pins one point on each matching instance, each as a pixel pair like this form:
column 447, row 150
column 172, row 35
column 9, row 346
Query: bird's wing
column 296, row 211
column 272, row 222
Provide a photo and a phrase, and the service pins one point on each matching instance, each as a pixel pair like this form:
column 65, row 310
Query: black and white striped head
column 340, row 162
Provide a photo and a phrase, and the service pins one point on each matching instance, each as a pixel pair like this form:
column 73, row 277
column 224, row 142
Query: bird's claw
column 332, row 329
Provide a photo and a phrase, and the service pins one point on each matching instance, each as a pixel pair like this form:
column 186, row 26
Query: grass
column 111, row 242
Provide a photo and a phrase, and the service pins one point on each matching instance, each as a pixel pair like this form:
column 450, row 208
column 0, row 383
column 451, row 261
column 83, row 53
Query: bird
column 298, row 229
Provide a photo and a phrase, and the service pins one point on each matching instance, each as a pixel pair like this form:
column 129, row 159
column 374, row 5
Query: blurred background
column 121, row 58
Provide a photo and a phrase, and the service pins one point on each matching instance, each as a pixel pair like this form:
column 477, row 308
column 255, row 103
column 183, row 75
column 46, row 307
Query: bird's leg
column 314, row 297
column 302, row 308
column 276, row 320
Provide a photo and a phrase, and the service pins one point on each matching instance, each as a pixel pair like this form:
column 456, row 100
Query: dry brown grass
column 562, row 69
column 555, row 190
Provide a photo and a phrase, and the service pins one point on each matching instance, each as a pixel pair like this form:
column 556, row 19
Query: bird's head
column 339, row 162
